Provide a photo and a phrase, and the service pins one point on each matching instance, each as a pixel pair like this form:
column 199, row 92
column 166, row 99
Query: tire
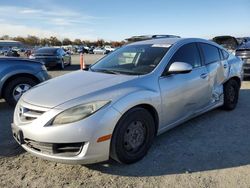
column 127, row 148
column 11, row 89
column 231, row 94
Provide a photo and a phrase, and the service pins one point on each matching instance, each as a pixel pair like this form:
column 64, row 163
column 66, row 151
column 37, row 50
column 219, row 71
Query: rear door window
column 210, row 52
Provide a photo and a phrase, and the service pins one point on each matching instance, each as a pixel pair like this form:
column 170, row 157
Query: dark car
column 243, row 51
column 90, row 51
column 52, row 57
column 83, row 49
column 12, row 53
column 228, row 42
column 18, row 75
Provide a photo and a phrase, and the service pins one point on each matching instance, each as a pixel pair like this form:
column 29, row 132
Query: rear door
column 184, row 94
column 217, row 67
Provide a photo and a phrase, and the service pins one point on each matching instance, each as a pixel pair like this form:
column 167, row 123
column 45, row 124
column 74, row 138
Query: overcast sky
column 117, row 20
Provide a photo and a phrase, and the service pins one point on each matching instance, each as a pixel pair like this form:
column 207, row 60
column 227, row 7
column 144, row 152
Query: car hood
column 71, row 86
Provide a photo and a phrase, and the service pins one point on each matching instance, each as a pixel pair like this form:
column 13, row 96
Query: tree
column 100, row 42
column 5, row 37
column 77, row 42
column 54, row 41
column 45, row 42
column 20, row 39
column 32, row 40
column 66, row 41
column 117, row 43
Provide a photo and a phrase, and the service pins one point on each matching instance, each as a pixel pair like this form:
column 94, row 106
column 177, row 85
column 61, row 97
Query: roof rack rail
column 165, row 36
column 148, row 37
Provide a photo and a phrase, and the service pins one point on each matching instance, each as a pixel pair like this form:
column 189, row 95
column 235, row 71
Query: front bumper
column 43, row 76
column 74, row 143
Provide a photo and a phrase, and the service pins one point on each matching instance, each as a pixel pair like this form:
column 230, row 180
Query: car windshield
column 132, row 59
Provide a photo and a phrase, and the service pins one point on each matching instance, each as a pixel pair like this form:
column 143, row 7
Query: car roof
column 172, row 41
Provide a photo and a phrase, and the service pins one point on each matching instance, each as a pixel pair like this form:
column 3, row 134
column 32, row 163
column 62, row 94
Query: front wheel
column 231, row 94
column 132, row 136
column 15, row 88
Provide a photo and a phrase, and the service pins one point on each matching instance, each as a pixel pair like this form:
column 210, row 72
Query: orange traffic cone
column 82, row 63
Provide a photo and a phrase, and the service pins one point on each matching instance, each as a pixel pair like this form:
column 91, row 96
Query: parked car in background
column 108, row 49
column 99, row 50
column 127, row 98
column 242, row 40
column 228, row 42
column 12, row 53
column 91, row 50
column 3, row 51
column 243, row 51
column 52, row 57
column 19, row 75
column 83, row 49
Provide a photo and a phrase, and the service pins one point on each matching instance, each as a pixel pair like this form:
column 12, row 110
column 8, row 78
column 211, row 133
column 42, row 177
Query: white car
column 99, row 50
column 109, row 48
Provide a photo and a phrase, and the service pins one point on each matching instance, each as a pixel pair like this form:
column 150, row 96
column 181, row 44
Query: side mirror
column 179, row 68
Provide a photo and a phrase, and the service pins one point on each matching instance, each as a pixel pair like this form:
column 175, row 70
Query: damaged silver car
column 117, row 107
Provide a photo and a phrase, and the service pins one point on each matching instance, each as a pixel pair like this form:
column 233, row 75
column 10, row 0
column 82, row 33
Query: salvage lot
column 209, row 151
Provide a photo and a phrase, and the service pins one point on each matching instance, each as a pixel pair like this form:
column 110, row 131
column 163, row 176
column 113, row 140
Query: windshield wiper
column 106, row 71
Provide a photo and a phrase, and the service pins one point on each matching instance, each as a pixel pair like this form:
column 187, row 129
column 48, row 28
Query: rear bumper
column 51, row 62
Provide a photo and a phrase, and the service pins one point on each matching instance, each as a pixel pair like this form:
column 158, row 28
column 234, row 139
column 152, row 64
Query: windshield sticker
column 161, row 45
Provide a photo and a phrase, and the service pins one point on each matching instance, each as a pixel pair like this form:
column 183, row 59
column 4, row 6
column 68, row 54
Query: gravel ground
column 211, row 150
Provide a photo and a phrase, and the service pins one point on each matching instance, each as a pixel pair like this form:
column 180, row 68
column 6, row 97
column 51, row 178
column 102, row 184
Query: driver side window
column 188, row 53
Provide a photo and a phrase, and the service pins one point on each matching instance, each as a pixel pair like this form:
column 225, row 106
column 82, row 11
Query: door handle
column 203, row 75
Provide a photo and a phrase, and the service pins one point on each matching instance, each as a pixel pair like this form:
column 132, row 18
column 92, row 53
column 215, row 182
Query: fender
column 139, row 97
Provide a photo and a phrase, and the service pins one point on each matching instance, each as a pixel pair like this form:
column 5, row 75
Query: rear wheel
column 15, row 88
column 132, row 136
column 231, row 94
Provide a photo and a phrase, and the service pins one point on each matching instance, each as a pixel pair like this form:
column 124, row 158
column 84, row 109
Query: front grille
column 60, row 149
column 27, row 115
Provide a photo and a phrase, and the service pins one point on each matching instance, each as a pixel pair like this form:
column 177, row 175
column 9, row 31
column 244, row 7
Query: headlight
column 78, row 112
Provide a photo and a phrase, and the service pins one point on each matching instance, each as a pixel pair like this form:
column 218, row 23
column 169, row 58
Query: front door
column 184, row 94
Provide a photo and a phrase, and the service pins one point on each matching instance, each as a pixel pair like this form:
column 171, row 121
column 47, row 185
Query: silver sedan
column 117, row 107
